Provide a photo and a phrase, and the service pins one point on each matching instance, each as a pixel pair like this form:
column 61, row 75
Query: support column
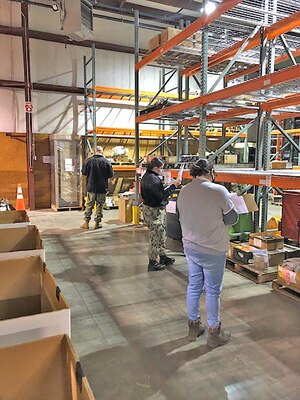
column 30, row 146
column 136, row 105
column 186, row 129
column 178, row 143
column 267, row 133
column 86, row 101
column 204, row 71
column 94, row 116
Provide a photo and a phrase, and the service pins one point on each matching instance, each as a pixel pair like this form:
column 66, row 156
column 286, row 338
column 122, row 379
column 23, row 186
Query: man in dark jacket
column 155, row 198
column 97, row 170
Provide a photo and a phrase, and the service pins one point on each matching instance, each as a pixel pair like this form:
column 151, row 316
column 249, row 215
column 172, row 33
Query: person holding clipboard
column 155, row 198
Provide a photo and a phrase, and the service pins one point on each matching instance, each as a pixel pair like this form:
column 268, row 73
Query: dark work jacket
column 97, row 170
column 153, row 192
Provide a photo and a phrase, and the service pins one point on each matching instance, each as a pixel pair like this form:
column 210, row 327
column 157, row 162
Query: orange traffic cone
column 20, row 204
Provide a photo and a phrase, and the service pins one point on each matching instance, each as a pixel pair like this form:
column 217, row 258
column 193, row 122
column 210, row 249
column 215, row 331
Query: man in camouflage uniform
column 155, row 198
column 98, row 170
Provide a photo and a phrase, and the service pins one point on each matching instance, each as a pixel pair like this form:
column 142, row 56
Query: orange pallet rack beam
column 277, row 29
column 264, row 82
column 222, row 8
column 289, row 179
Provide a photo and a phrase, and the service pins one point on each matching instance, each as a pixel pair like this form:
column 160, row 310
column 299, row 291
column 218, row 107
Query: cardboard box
column 45, row 369
column 230, row 159
column 31, row 305
column 125, row 210
column 168, row 34
column 21, row 242
column 11, row 219
column 276, row 257
column 287, row 277
column 279, row 164
column 267, row 240
column 243, row 254
column 291, row 251
column 192, row 42
column 232, row 246
column 154, row 42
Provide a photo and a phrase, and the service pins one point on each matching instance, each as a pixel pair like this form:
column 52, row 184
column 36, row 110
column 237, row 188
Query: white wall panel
column 11, row 65
column 12, row 116
column 10, row 13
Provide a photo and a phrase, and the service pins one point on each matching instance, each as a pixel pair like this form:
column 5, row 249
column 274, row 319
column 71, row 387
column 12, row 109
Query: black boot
column 155, row 266
column 166, row 260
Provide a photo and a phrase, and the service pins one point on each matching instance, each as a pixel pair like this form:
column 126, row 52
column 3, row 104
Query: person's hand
column 177, row 182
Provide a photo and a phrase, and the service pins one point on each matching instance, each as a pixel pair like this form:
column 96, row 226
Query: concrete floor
column 128, row 326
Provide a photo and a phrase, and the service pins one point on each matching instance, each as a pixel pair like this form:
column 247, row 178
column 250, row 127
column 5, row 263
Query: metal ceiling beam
column 154, row 14
column 42, row 87
column 188, row 5
column 51, row 37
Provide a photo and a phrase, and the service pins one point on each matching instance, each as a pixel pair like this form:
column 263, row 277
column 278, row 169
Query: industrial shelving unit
column 243, row 42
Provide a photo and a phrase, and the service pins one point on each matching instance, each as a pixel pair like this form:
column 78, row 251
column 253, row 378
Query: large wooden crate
column 12, row 219
column 31, row 305
column 21, row 242
column 46, row 369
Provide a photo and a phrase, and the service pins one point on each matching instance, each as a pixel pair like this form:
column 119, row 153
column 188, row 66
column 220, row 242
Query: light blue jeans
column 205, row 270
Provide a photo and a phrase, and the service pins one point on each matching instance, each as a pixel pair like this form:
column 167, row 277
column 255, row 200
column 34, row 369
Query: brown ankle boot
column 85, row 224
column 196, row 329
column 217, row 337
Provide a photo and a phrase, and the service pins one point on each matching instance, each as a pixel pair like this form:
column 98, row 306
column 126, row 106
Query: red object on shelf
column 290, row 224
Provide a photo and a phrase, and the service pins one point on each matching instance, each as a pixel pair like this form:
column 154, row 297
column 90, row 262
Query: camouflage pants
column 93, row 198
column 154, row 218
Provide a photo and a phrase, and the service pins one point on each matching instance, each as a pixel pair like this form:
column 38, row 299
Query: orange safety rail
column 280, row 27
column 263, row 82
column 269, row 179
column 222, row 8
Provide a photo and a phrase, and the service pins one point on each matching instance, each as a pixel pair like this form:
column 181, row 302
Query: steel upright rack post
column 90, row 89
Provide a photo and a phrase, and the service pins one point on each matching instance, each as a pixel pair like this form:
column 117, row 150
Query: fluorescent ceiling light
column 209, row 8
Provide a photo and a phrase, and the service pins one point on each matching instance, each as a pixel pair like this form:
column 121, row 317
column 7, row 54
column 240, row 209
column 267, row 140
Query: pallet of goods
column 257, row 260
column 287, row 282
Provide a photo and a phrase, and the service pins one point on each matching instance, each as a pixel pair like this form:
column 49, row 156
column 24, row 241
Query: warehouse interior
column 178, row 80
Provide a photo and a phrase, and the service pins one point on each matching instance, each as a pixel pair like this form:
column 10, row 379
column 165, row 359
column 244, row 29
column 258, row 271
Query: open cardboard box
column 12, row 219
column 46, row 369
column 21, row 242
column 31, row 305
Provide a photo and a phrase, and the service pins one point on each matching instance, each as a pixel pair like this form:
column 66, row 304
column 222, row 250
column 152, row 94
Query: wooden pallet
column 55, row 208
column 290, row 291
column 249, row 271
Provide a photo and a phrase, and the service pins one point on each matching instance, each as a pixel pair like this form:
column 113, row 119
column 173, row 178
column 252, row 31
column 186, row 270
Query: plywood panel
column 13, row 167
column 42, row 172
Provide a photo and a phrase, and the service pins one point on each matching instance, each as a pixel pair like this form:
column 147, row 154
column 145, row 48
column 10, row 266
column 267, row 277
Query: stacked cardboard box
column 260, row 244
column 10, row 219
column 35, row 363
column 45, row 369
column 194, row 42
